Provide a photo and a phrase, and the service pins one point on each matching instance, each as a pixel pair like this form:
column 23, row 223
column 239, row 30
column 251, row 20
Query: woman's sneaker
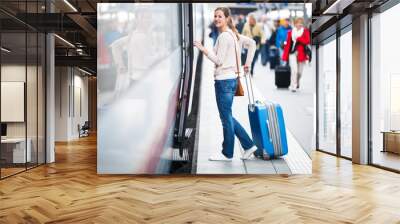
column 219, row 157
column 249, row 152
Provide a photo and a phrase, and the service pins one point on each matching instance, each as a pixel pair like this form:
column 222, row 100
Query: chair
column 84, row 130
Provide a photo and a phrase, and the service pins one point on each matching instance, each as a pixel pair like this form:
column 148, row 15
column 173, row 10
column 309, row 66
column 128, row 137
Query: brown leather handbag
column 239, row 88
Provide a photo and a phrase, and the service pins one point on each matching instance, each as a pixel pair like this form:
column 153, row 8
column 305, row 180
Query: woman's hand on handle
column 200, row 47
column 246, row 69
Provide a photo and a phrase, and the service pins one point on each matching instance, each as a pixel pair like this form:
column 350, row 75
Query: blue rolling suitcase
column 267, row 127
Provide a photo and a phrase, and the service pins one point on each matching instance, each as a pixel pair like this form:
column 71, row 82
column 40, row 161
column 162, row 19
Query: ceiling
column 330, row 15
column 75, row 21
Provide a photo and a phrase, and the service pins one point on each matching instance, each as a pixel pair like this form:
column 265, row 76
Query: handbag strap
column 245, row 77
column 236, row 56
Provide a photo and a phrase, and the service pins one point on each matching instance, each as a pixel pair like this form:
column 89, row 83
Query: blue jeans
column 254, row 61
column 264, row 54
column 224, row 92
column 281, row 62
column 244, row 57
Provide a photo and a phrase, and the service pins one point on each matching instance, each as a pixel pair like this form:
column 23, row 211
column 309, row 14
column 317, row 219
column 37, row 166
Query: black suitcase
column 282, row 76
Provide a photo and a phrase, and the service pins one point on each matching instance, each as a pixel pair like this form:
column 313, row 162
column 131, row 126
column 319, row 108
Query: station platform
column 297, row 161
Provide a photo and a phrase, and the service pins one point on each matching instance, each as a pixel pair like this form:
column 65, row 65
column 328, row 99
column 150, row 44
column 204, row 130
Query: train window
column 139, row 72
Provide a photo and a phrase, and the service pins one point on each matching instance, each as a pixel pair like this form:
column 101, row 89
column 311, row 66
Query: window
column 346, row 93
column 385, row 89
column 327, row 96
column 22, row 91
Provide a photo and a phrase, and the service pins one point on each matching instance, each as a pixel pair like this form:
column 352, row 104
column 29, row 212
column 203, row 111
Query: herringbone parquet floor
column 70, row 191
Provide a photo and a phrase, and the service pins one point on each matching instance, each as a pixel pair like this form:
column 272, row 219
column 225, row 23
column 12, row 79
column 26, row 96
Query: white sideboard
column 19, row 155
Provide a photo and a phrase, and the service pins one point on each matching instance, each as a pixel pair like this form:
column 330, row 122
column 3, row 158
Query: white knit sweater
column 223, row 54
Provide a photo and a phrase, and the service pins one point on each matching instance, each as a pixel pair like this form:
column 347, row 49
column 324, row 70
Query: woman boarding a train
column 225, row 55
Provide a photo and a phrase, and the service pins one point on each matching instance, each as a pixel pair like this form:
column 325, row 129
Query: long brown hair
column 227, row 14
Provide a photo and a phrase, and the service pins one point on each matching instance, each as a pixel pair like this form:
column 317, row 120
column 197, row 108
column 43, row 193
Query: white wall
column 61, row 103
column 17, row 73
column 70, row 83
column 79, row 112
column 14, row 73
column 34, row 124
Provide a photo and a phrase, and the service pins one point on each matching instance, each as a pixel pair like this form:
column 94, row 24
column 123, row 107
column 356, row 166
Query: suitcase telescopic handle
column 248, row 89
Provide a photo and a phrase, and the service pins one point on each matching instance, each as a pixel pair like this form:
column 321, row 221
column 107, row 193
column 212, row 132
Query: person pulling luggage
column 274, row 58
column 281, row 36
column 295, row 52
column 226, row 56
column 255, row 31
column 268, row 29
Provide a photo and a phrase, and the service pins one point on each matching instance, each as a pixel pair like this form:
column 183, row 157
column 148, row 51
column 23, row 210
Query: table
column 391, row 141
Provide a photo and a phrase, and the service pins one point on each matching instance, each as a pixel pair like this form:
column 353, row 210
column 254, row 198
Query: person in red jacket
column 295, row 51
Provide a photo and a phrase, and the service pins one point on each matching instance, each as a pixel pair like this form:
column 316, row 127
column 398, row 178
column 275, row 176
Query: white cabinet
column 18, row 145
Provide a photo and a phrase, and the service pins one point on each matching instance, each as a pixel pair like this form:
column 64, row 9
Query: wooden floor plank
column 70, row 191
